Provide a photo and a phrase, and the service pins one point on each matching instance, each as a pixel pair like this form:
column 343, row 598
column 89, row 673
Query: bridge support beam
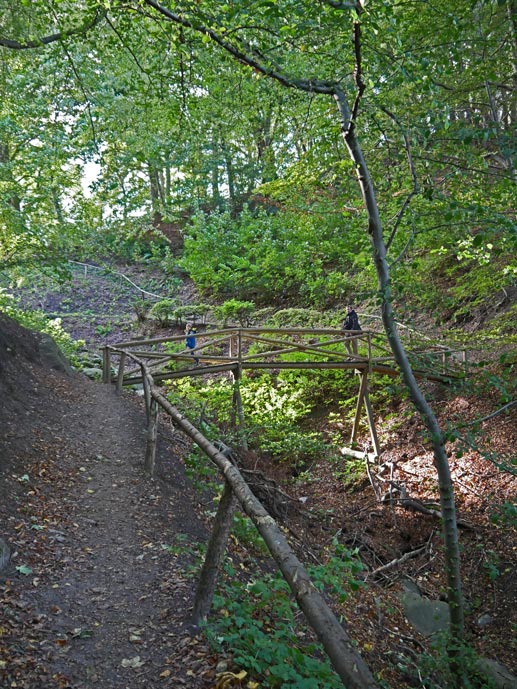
column 362, row 396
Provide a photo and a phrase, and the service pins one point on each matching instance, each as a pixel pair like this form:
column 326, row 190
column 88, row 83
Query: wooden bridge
column 239, row 349
column 235, row 350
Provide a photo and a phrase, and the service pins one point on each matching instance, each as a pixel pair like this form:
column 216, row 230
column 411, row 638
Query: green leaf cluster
column 257, row 622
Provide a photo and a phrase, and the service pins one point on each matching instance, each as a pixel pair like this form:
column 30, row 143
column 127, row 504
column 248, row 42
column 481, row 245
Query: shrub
column 163, row 311
column 296, row 318
column 234, row 310
column 190, row 312
column 142, row 308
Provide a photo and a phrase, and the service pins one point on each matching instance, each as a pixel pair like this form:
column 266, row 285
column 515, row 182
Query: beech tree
column 265, row 51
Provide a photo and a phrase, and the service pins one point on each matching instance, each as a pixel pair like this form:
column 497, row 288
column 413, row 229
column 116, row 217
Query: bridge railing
column 229, row 348
column 236, row 348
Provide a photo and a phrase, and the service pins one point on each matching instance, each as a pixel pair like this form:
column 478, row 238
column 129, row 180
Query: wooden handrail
column 333, row 348
column 346, row 660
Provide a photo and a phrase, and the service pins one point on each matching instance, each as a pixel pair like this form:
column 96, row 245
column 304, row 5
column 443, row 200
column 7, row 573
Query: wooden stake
column 371, row 423
column 214, row 555
column 147, row 395
column 152, row 435
column 120, row 378
column 360, row 397
column 106, row 365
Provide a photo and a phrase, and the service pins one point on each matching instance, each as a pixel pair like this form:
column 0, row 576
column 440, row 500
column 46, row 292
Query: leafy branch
column 53, row 38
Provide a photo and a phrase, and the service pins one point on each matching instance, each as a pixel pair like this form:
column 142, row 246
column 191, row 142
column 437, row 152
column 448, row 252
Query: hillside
column 92, row 597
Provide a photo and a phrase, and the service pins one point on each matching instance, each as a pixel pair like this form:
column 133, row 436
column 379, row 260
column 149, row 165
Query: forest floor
column 99, row 589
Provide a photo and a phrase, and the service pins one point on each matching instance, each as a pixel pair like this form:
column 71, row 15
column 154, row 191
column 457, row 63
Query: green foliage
column 235, row 310
column 268, row 257
column 292, row 445
column 258, row 623
column 182, row 314
column 272, row 413
column 296, row 318
column 104, row 330
column 247, row 535
column 200, row 471
column 183, row 544
column 163, row 311
column 441, row 667
column 142, row 307
column 350, row 471
column 267, row 403
column 209, row 400
column 185, row 548
column 135, row 240
column 505, row 516
column 491, row 564
column 37, row 320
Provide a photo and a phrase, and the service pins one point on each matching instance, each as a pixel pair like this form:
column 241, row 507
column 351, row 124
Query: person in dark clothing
column 190, row 339
column 351, row 325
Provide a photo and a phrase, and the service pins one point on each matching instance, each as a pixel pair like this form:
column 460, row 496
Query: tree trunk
column 450, row 529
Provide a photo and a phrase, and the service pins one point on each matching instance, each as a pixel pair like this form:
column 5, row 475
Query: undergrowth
column 256, row 620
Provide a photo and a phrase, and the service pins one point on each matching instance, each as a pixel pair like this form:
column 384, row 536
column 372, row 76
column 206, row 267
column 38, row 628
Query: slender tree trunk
column 155, row 189
column 230, row 176
column 511, row 10
column 216, row 195
column 450, row 529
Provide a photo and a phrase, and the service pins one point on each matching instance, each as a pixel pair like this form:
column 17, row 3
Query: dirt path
column 106, row 600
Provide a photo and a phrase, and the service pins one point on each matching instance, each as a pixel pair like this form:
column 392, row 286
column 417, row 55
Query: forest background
column 220, row 129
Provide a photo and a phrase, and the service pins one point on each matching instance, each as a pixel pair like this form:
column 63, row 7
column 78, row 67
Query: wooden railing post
column 120, row 377
column 152, row 435
column 214, row 555
column 147, row 394
column 106, row 365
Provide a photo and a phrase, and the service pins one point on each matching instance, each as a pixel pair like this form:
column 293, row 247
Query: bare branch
column 126, row 46
column 416, row 187
column 449, row 160
column 491, row 416
column 406, row 247
column 400, row 560
column 358, row 73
